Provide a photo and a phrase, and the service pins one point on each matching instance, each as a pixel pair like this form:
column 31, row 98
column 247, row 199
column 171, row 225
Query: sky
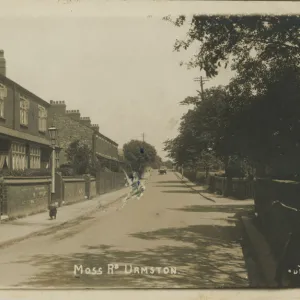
column 120, row 70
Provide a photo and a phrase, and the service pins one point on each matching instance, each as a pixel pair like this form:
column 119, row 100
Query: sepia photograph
column 150, row 152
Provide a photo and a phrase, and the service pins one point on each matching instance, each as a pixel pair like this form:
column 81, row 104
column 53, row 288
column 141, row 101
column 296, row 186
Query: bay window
column 19, row 161
column 35, row 158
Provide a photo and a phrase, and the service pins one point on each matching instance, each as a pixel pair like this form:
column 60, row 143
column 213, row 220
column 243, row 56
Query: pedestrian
column 53, row 210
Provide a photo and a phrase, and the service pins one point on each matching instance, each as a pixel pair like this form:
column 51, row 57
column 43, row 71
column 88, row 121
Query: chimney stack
column 73, row 114
column 85, row 121
column 2, row 63
column 57, row 107
column 95, row 127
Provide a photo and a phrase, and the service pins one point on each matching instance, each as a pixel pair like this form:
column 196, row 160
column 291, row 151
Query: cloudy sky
column 120, row 70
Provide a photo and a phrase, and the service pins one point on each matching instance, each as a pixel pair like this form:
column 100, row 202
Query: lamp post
column 53, row 135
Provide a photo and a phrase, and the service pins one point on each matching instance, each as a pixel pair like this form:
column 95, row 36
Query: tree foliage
column 250, row 44
column 137, row 158
column 79, row 156
column 255, row 119
column 203, row 132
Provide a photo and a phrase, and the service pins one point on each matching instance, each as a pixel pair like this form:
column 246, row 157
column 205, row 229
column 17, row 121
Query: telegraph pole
column 201, row 81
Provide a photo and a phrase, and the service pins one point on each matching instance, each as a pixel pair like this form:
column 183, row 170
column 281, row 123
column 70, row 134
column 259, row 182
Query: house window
column 35, row 158
column 42, row 119
column 19, row 160
column 4, row 160
column 3, row 94
column 24, row 110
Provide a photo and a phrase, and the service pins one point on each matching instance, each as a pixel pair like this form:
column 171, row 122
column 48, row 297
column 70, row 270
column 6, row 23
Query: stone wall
column 21, row 196
column 25, row 196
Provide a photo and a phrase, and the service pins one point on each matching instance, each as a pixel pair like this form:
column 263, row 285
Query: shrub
column 26, row 172
column 66, row 171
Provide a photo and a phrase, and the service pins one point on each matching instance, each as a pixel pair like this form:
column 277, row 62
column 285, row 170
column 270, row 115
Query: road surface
column 194, row 241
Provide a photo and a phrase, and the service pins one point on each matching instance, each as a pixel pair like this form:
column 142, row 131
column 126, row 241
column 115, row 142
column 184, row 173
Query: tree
column 249, row 44
column 205, row 130
column 208, row 161
column 157, row 163
column 168, row 163
column 261, row 124
column 79, row 156
column 137, row 158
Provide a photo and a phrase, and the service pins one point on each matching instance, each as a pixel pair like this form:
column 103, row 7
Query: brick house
column 24, row 139
column 71, row 127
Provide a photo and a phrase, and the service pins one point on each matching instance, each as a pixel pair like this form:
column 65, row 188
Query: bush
column 66, row 171
column 26, row 172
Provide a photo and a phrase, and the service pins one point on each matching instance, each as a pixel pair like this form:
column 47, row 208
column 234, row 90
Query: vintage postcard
column 150, row 146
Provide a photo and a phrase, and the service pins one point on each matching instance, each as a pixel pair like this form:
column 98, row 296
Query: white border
column 100, row 8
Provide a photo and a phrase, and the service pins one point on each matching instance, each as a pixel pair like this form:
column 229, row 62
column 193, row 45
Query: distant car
column 162, row 171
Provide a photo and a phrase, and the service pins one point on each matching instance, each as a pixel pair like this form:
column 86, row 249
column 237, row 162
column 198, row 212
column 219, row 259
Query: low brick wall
column 21, row 196
column 25, row 195
column 74, row 189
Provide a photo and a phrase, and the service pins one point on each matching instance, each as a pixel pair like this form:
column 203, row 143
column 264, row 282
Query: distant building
column 24, row 139
column 121, row 154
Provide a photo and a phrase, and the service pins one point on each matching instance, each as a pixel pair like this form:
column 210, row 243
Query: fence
column 198, row 177
column 109, row 181
column 239, row 188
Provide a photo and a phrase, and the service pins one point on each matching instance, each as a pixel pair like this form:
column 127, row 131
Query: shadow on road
column 171, row 186
column 205, row 257
column 187, row 191
column 171, row 181
column 238, row 210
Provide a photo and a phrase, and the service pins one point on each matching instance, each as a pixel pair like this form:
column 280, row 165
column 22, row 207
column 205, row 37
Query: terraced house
column 24, row 139
column 24, row 122
column 71, row 127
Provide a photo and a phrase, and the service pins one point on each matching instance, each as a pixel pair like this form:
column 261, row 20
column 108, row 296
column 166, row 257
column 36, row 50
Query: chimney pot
column 2, row 63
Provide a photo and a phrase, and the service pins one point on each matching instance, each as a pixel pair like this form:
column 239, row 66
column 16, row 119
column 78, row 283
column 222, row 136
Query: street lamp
column 53, row 136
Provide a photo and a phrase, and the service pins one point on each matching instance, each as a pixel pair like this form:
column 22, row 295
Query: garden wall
column 24, row 196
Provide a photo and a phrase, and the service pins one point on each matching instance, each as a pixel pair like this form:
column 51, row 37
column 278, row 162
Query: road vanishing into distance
column 171, row 237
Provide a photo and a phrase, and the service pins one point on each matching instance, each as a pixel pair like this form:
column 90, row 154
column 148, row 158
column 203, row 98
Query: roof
column 106, row 156
column 105, row 137
column 35, row 97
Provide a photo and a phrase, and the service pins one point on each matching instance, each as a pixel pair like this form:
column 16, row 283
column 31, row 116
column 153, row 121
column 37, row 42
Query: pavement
column 202, row 190
column 258, row 253
column 19, row 229
column 262, row 251
column 171, row 237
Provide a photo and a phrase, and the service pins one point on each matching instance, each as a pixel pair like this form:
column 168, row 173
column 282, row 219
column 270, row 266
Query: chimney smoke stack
column 2, row 63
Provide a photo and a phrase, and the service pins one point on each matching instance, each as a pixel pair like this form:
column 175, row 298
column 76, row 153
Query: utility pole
column 143, row 137
column 201, row 81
